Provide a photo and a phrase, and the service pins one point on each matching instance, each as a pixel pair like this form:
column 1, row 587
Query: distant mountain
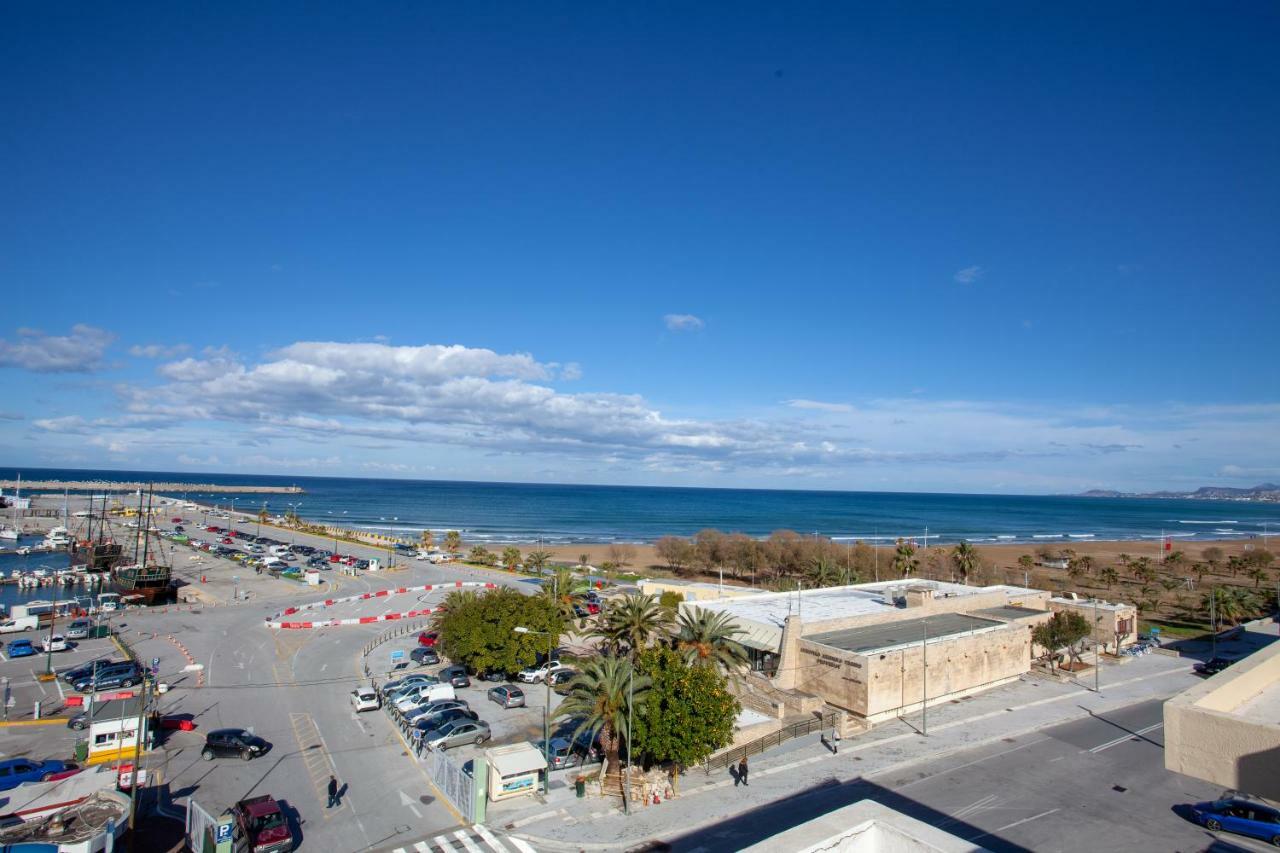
column 1269, row 492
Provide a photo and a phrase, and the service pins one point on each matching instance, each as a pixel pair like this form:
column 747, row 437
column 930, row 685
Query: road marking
column 521, row 845
column 315, row 757
column 969, row 763
column 421, row 847
column 1025, row 820
column 466, row 841
column 489, row 838
column 443, row 842
column 1136, row 735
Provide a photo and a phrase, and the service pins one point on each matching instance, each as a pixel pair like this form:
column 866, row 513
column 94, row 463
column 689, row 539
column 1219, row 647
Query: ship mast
column 146, row 540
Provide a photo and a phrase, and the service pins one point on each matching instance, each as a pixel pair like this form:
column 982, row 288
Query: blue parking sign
column 224, row 832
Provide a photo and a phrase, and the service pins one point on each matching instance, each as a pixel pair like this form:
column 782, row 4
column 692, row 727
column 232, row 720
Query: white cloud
column 969, row 275
column 571, row 372
column 682, row 322
column 79, row 352
column 820, row 406
column 158, row 350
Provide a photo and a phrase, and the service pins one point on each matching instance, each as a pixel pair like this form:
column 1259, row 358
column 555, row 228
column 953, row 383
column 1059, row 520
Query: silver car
column 459, row 732
column 508, row 696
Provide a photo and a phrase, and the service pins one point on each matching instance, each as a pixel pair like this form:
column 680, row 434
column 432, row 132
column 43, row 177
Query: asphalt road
column 1095, row 784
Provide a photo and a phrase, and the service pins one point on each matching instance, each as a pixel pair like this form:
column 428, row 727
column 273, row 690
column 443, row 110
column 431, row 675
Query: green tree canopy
column 1063, row 631
column 479, row 630
column 598, row 699
column 688, row 712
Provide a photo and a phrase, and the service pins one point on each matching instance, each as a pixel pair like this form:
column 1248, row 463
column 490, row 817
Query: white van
column 281, row 551
column 275, row 564
column 19, row 623
column 423, row 694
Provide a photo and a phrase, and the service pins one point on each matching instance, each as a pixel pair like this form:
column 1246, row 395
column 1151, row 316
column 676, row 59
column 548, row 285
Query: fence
column 454, row 782
column 769, row 741
column 201, row 828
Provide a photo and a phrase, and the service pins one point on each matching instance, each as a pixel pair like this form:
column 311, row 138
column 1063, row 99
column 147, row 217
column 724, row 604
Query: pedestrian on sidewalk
column 333, row 792
column 742, row 771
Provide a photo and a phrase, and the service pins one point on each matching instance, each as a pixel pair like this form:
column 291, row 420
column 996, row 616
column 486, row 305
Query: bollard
column 35, row 714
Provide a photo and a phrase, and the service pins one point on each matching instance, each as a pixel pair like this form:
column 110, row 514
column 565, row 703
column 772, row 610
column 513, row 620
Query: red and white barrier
column 276, row 621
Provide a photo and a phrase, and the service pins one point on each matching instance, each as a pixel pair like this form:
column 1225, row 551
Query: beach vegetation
column 676, row 552
column 565, row 591
column 621, row 555
column 1213, row 555
column 452, row 541
column 536, row 561
column 1109, row 576
column 966, row 560
column 482, row 556
column 427, row 540
column 1229, row 605
column 510, row 558
column 904, row 559
column 630, row 623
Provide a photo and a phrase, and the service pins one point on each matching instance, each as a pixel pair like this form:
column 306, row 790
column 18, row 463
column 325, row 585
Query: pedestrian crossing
column 473, row 839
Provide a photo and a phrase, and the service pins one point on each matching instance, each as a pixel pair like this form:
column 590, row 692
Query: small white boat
column 58, row 537
column 23, row 551
column 8, row 533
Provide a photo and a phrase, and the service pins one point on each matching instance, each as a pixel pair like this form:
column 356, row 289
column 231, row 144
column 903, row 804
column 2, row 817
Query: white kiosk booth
column 514, row 770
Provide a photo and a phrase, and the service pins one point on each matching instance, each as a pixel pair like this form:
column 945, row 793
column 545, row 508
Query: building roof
column 887, row 635
column 1008, row 613
column 1089, row 602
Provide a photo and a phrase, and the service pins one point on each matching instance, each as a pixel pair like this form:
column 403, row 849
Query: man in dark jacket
column 333, row 792
column 742, row 770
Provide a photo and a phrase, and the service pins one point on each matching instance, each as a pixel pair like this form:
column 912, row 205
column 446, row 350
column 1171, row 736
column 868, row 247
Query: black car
column 455, row 675
column 441, row 719
column 237, row 742
column 74, row 674
column 111, row 675
column 1213, row 666
column 424, row 656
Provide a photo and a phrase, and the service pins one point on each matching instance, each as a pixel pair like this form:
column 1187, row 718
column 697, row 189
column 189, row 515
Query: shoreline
column 124, row 485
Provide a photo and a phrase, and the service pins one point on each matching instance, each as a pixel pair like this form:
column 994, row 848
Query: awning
column 516, row 759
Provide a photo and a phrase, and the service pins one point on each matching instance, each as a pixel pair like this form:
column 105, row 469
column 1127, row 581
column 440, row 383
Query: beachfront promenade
column 113, row 486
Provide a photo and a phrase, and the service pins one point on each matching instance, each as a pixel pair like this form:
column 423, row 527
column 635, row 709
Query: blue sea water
column 567, row 514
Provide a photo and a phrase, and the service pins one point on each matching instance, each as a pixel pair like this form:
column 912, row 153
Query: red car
column 228, row 541
column 175, row 520
column 428, row 640
column 261, row 824
column 593, row 608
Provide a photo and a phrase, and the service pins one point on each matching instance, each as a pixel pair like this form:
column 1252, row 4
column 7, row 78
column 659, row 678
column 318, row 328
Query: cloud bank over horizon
column 451, row 410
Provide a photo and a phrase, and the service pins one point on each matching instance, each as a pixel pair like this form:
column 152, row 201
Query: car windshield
column 268, row 821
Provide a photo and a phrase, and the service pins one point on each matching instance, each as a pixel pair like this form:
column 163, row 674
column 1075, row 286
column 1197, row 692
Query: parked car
column 124, row 674
column 260, row 826
column 1213, row 666
column 79, row 629
column 508, row 696
column 565, row 753
column 459, row 732
column 423, row 693
column 400, row 684
column 428, row 638
column 560, row 679
column 16, row 771
column 425, row 726
column 430, row 709
column 534, row 674
column 76, row 672
column 79, row 722
column 19, row 649
column 238, row 742
column 365, row 699
column 54, row 643
column 1241, row 817
column 455, row 675
column 424, row 656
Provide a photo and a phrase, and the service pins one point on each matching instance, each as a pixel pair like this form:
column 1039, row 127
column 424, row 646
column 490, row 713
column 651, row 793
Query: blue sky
column 990, row 247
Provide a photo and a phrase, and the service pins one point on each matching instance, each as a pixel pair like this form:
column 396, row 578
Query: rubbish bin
column 82, row 751
column 580, row 787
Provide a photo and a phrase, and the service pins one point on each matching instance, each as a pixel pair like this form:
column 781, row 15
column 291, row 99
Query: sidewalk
column 565, row 822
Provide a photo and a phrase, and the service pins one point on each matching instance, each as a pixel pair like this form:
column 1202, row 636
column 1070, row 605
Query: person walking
column 333, row 792
column 742, row 770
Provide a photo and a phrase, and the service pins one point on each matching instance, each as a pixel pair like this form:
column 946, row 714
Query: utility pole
column 1097, row 655
column 924, row 704
column 1213, row 620
column 137, row 759
column 631, row 684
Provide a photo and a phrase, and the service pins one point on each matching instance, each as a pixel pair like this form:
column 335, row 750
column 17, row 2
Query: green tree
column 823, row 572
column 511, row 558
column 598, row 698
column 904, row 559
column 1027, row 562
column 1228, row 604
column 453, row 541
column 1259, row 574
column 1143, row 570
column 536, row 561
column 965, row 558
column 427, row 540
column 688, row 712
column 478, row 631
column 1064, row 630
column 564, row 590
column 707, row 637
column 677, row 553
column 670, row 602
column 482, row 555
column 631, row 622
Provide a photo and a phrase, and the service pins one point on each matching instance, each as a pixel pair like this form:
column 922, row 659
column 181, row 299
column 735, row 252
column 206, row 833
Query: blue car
column 16, row 771
column 20, row 649
column 1241, row 817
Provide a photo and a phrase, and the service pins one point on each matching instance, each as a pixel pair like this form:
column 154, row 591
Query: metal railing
column 769, row 741
column 395, row 633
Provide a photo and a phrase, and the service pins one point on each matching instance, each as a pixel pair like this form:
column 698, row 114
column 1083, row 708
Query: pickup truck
column 260, row 827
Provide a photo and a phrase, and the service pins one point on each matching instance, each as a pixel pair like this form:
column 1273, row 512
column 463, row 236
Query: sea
column 560, row 514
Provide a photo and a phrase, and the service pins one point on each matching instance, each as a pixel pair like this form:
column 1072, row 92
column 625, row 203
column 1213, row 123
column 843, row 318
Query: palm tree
column 565, row 590
column 583, row 559
column 823, row 572
column 904, row 559
column 965, row 557
column 1258, row 574
column 511, row 558
column 707, row 637
column 1085, row 563
column 1109, row 576
column 599, row 697
column 537, row 560
column 454, row 600
column 1230, row 603
column 427, row 540
column 632, row 621
column 453, row 541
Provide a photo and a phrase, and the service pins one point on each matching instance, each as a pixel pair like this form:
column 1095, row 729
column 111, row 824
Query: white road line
column 443, row 842
column 1102, row 746
column 521, row 845
column 421, row 847
column 466, row 841
column 490, row 838
column 1027, row 820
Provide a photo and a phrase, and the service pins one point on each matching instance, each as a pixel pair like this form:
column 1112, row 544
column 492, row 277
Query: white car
column 56, row 643
column 365, row 699
column 424, row 693
column 535, row 674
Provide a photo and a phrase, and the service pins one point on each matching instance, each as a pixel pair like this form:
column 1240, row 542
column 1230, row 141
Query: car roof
column 228, row 732
column 259, row 806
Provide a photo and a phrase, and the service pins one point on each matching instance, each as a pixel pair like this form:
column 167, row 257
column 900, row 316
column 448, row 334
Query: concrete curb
column 555, row 844
column 48, row 721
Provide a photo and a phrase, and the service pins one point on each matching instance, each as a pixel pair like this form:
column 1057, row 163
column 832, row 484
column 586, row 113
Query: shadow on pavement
column 767, row 820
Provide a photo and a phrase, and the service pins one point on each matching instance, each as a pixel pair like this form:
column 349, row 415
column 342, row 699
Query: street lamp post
column 546, row 710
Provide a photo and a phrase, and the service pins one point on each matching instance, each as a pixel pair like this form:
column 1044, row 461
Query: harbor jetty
column 113, row 486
